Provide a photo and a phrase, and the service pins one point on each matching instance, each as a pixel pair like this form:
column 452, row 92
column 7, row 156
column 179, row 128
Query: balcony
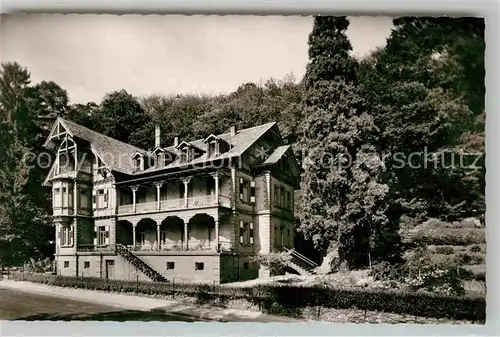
column 192, row 246
column 84, row 173
column 176, row 204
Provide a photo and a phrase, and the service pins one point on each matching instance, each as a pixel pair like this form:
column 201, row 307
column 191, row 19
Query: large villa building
column 193, row 211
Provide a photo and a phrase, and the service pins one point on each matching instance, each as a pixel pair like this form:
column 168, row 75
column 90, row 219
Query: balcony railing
column 174, row 204
column 193, row 246
column 94, row 248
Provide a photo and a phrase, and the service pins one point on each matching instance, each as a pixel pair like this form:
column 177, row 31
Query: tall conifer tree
column 342, row 199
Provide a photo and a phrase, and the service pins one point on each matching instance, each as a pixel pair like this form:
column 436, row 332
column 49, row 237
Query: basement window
column 170, row 265
column 86, row 264
column 199, row 265
column 66, row 264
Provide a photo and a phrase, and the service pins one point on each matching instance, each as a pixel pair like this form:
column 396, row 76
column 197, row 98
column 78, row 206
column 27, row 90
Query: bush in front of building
column 284, row 299
column 415, row 303
column 276, row 262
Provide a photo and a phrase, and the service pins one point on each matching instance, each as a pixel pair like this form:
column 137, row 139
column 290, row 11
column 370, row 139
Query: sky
column 90, row 55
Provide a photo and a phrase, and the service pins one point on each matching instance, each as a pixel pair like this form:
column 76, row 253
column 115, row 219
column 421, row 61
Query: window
column 199, row 265
column 86, row 264
column 142, row 238
column 252, row 191
column 102, row 236
column 57, row 197
column 102, row 199
column 66, row 264
column 245, row 265
column 171, row 265
column 137, row 164
column 84, row 198
column 64, row 197
column 246, row 190
column 185, row 155
column 288, row 200
column 66, row 236
column 246, row 233
column 212, row 148
column 282, row 196
column 276, row 196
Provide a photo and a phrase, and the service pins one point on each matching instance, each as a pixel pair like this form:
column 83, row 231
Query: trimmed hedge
column 286, row 299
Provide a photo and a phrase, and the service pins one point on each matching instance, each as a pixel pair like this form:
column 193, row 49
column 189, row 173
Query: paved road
column 17, row 305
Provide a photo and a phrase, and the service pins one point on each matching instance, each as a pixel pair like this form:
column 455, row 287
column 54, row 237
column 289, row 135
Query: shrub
column 475, row 249
column 276, row 262
column 446, row 250
column 40, row 266
column 464, row 258
column 440, row 279
column 287, row 299
column 385, row 271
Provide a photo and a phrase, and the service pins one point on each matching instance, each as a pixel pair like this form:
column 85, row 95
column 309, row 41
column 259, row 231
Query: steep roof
column 240, row 142
column 115, row 154
column 276, row 155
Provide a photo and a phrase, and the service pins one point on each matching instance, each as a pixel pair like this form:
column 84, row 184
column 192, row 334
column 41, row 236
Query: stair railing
column 138, row 263
column 301, row 257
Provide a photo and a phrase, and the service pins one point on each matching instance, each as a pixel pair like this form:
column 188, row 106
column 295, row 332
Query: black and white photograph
column 242, row 168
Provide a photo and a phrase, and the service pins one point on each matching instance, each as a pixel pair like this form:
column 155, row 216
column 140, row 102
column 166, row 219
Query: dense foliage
column 342, row 198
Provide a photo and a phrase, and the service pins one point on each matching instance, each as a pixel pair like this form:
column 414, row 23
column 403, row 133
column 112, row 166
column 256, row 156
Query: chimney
column 233, row 130
column 176, row 141
column 157, row 136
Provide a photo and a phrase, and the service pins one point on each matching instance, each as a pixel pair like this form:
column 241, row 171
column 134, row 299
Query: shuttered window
column 102, row 235
column 246, row 233
column 241, row 188
column 252, row 191
column 247, row 190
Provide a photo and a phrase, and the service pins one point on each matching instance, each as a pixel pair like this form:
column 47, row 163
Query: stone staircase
column 300, row 263
column 139, row 264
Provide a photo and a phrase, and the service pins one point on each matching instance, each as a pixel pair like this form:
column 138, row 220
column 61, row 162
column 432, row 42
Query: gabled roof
column 115, row 154
column 278, row 153
column 211, row 136
column 188, row 144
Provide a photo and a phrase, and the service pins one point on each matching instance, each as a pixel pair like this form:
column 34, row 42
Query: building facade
column 193, row 211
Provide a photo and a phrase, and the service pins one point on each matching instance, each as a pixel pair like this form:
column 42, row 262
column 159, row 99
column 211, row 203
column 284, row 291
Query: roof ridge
column 226, row 133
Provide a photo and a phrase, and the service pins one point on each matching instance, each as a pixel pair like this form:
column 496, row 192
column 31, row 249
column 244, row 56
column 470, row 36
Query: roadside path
column 132, row 302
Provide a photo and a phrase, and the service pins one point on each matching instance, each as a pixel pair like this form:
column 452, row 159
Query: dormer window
column 138, row 161
column 188, row 151
column 216, row 145
column 213, row 148
column 185, row 155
